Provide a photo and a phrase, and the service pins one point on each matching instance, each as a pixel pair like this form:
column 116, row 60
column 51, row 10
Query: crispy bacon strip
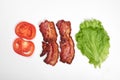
column 49, row 45
column 66, row 43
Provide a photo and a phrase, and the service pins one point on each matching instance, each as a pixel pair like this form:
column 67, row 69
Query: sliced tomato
column 25, row 30
column 22, row 47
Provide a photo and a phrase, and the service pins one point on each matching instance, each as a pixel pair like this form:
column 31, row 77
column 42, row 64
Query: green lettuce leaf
column 93, row 41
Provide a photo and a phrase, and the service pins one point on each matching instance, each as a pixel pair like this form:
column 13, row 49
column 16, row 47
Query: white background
column 16, row 67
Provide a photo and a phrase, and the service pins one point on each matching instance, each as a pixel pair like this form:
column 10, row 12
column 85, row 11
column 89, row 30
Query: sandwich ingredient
column 93, row 41
column 66, row 43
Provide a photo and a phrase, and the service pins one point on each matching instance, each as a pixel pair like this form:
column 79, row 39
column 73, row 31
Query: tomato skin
column 25, row 30
column 22, row 47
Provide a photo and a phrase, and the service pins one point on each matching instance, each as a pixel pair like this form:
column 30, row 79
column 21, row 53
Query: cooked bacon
column 48, row 31
column 66, row 44
column 49, row 45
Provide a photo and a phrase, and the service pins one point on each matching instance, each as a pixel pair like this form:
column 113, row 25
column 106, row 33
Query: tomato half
column 22, row 47
column 25, row 30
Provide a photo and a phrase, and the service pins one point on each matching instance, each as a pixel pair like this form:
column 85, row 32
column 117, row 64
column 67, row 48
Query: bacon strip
column 49, row 45
column 66, row 44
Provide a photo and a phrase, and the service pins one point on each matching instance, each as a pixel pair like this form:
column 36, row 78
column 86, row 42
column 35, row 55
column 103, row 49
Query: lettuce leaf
column 93, row 41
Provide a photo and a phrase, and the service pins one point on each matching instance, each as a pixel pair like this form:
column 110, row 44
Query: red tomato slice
column 25, row 30
column 22, row 47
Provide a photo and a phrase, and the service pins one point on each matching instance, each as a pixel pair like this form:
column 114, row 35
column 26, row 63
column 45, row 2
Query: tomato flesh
column 22, row 47
column 25, row 30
